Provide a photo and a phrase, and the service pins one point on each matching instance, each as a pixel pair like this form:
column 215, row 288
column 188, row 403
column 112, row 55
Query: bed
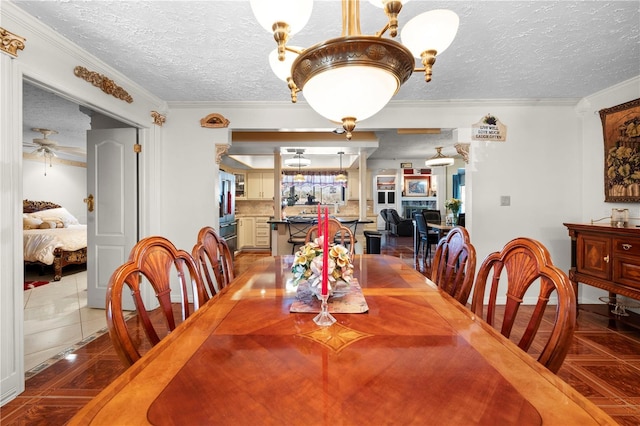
column 52, row 236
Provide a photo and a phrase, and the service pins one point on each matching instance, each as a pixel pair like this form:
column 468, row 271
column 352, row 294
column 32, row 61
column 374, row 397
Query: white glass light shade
column 380, row 3
column 297, row 162
column 350, row 91
column 296, row 13
column 340, row 178
column 299, row 178
column 433, row 30
column 282, row 69
column 442, row 161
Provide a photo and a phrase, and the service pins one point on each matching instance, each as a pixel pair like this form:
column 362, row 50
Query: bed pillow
column 31, row 222
column 59, row 214
column 50, row 224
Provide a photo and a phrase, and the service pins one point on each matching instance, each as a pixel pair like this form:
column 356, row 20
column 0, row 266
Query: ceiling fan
column 47, row 148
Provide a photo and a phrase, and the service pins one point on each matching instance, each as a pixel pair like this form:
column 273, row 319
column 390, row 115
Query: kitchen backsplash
column 265, row 208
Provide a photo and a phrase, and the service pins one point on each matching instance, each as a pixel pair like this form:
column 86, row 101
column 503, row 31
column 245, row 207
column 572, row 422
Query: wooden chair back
column 454, row 264
column 215, row 260
column 522, row 262
column 338, row 234
column 153, row 261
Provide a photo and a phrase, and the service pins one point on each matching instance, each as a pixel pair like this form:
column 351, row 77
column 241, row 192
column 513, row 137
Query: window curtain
column 315, row 178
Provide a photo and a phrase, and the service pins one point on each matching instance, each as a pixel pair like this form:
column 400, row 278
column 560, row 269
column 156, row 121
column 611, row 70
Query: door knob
column 606, row 259
column 89, row 201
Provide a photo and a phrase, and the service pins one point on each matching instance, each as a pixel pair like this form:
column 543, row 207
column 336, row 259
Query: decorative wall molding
column 221, row 149
column 463, row 149
column 102, row 82
column 11, row 42
column 214, row 121
column 158, row 119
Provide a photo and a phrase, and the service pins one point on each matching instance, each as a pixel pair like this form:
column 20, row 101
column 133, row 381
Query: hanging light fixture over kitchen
column 439, row 159
column 350, row 78
column 300, row 161
column 341, row 177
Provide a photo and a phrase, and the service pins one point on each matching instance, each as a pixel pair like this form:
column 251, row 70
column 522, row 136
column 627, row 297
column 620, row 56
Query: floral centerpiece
column 307, row 265
column 453, row 204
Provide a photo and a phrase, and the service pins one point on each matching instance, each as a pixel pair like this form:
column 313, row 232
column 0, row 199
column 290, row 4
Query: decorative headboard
column 29, row 206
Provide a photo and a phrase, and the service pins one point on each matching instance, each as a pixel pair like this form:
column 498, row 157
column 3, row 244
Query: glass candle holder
column 620, row 218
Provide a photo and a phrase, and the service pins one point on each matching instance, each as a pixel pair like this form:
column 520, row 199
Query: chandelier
column 341, row 177
column 352, row 77
column 439, row 159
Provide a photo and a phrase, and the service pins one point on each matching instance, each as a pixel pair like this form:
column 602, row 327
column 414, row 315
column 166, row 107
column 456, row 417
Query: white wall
column 64, row 185
column 48, row 60
column 592, row 161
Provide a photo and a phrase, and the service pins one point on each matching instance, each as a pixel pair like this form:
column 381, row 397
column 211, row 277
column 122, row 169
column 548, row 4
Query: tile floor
column 56, row 317
column 603, row 362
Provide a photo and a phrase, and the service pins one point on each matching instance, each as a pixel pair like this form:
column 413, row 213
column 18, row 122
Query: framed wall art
column 416, row 186
column 621, row 131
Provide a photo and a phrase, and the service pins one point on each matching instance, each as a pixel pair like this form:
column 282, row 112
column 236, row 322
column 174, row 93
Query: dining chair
column 298, row 229
column 214, row 258
column 156, row 262
column 353, row 227
column 520, row 263
column 432, row 216
column 422, row 236
column 454, row 264
column 338, row 234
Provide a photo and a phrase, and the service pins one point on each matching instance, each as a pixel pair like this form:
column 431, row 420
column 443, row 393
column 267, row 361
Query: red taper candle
column 319, row 222
column 325, row 253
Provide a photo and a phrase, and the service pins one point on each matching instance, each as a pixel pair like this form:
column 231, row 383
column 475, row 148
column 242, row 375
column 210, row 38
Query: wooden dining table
column 416, row 356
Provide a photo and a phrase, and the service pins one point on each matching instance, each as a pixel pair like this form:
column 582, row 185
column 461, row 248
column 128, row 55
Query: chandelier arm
column 293, row 49
column 382, row 31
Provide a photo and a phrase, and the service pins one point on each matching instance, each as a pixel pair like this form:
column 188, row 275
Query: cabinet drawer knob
column 627, row 246
column 606, row 259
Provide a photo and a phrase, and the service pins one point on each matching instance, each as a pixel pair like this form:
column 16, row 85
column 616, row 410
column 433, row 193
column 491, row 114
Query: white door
column 113, row 224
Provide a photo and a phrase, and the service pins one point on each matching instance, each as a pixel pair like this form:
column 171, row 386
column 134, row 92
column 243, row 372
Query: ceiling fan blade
column 70, row 150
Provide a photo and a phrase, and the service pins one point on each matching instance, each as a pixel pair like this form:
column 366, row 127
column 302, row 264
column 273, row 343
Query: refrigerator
column 227, row 207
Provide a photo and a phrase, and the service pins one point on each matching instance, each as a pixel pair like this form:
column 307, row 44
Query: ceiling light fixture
column 297, row 161
column 350, row 78
column 439, row 159
column 341, row 177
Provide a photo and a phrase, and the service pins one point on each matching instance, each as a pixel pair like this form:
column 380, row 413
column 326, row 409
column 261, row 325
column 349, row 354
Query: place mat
column 351, row 303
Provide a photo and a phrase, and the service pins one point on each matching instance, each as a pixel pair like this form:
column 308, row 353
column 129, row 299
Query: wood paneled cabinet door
column 260, row 185
column 594, row 255
column 246, row 236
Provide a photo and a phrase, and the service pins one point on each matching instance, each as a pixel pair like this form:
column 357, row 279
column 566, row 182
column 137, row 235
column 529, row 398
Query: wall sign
column 489, row 129
column 406, row 165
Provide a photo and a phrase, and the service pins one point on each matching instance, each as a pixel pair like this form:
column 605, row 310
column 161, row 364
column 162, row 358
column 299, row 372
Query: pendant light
column 439, row 159
column 341, row 177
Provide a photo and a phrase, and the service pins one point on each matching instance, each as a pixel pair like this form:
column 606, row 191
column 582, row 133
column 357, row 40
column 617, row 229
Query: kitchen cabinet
column 246, row 234
column 606, row 257
column 353, row 186
column 240, row 186
column 254, row 232
column 259, row 185
column 262, row 233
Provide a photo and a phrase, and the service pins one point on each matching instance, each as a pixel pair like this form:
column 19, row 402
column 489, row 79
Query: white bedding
column 40, row 243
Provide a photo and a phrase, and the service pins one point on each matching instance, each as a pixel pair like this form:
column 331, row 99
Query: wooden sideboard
column 606, row 257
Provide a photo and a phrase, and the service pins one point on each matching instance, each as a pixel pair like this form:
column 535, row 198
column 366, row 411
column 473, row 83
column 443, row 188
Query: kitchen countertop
column 340, row 219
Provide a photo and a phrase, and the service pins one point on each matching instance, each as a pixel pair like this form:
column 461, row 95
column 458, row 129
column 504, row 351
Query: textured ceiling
column 216, row 51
